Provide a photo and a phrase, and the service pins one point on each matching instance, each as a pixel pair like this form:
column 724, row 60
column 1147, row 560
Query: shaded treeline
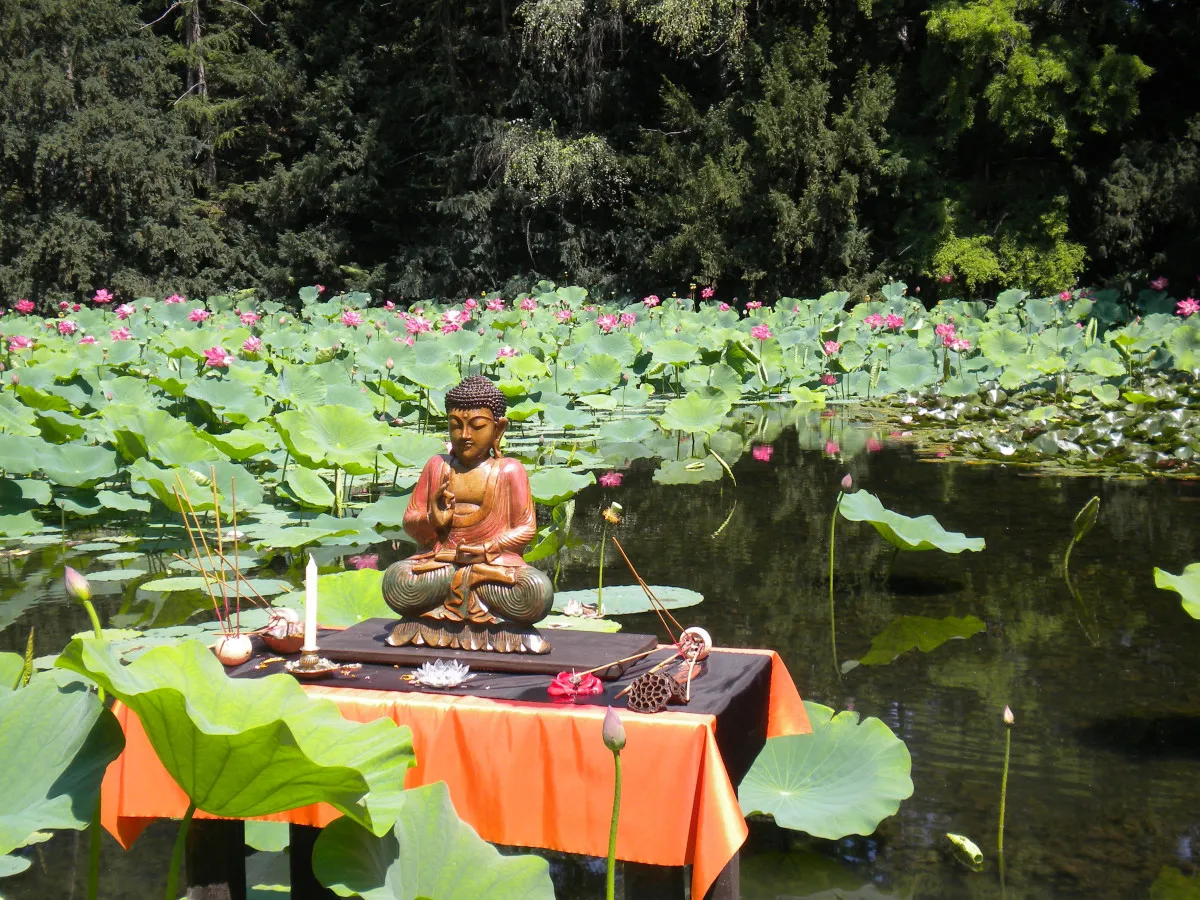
column 432, row 148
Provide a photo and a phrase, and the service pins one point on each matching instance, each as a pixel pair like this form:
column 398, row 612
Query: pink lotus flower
column 175, row 298
column 389, row 305
column 66, row 326
column 724, row 307
column 351, row 318
column 217, row 358
column 20, row 342
column 945, row 330
column 24, row 306
column 495, row 304
column 628, row 319
column 832, row 448
column 946, row 279
column 607, row 323
column 875, row 320
column 829, row 379
column 651, row 301
column 410, row 340
column 958, row 345
column 120, row 334
column 63, row 304
column 529, row 304
column 1188, row 307
column 506, row 352
column 874, row 445
column 125, row 310
column 198, row 315
column 75, row 307
column 102, row 296
column 1064, row 296
column 87, row 339
column 365, row 561
column 417, row 324
column 893, row 321
column 754, row 304
column 320, row 288
column 564, row 315
column 249, row 318
column 252, row 344
column 760, row 332
column 471, row 305
column 1160, row 283
column 762, row 452
column 831, row 347
column 611, row 479
column 706, row 293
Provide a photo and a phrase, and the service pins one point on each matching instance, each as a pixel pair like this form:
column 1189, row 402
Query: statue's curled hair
column 477, row 392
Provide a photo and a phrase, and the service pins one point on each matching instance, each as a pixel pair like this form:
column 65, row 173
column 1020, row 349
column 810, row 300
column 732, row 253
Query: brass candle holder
column 310, row 665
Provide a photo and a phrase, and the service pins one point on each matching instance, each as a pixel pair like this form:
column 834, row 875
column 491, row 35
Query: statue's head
column 476, row 411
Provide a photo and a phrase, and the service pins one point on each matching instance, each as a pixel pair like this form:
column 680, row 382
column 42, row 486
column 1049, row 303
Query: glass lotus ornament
column 442, row 673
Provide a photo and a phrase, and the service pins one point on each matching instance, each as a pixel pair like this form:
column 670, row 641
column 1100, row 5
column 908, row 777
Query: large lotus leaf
column 244, row 443
column 560, row 417
column 19, row 453
column 1186, row 584
column 430, row 853
column 699, row 411
column 688, row 471
column 1184, row 344
column 11, row 667
column 629, row 599
column 56, row 743
column 411, row 448
column 135, row 428
column 234, row 401
column 309, row 488
column 287, row 537
column 906, row 632
column 77, row 465
column 328, row 436
column 386, row 512
column 842, row 779
column 301, row 387
column 15, row 418
column 554, row 486
column 266, row 587
column 921, row 533
column 597, row 373
column 345, row 598
column 627, row 430
column 251, row 747
column 437, row 376
column 674, row 352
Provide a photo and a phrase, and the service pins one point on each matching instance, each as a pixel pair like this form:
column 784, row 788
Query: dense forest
column 416, row 149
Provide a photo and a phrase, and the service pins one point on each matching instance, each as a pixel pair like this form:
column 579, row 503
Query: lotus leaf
column 15, row 417
column 281, row 537
column 903, row 532
column 1186, row 584
column 328, row 436
column 698, row 412
column 921, row 632
column 41, row 790
column 554, row 486
column 77, row 465
column 408, row 448
column 629, row 599
column 688, row 471
column 251, row 747
column 347, row 598
column 842, row 779
column 309, row 488
column 11, row 666
column 430, row 853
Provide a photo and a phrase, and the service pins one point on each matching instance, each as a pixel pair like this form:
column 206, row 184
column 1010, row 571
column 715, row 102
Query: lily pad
column 920, row 533
column 328, row 436
column 844, row 778
column 629, row 599
column 554, row 486
column 920, row 632
column 698, row 412
column 430, row 853
column 251, row 747
column 1186, row 584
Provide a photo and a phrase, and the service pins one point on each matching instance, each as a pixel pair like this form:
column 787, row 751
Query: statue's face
column 473, row 434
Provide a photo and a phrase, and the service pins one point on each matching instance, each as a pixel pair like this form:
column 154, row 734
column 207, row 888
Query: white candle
column 310, row 605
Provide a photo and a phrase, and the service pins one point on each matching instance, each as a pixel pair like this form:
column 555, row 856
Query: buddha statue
column 471, row 514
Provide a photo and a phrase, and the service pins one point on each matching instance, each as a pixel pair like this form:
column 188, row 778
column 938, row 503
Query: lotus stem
column 1008, row 726
column 832, row 623
column 600, row 580
column 177, row 853
column 724, row 465
column 95, row 833
column 610, row 880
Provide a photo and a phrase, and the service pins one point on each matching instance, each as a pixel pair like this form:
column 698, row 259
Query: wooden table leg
column 215, row 857
column 728, row 883
column 646, row 882
column 304, row 883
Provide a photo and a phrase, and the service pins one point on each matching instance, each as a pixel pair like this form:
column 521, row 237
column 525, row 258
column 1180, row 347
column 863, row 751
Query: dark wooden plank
column 215, row 858
column 570, row 650
column 304, row 883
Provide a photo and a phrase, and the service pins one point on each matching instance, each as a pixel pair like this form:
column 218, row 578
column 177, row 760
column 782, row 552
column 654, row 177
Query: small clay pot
column 234, row 649
column 284, row 632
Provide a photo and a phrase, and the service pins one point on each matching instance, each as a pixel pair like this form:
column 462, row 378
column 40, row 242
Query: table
column 530, row 773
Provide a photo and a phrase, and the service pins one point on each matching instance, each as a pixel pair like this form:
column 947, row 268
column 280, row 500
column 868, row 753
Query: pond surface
column 1106, row 692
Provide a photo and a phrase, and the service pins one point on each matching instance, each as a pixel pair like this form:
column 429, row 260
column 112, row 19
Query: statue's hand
column 441, row 506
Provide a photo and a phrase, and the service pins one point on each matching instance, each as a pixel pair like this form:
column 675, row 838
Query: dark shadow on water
column 1173, row 736
column 923, row 585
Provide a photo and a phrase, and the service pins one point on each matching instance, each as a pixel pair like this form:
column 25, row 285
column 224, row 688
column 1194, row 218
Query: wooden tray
column 570, row 650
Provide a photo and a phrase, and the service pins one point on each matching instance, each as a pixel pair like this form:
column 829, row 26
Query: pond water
column 1106, row 748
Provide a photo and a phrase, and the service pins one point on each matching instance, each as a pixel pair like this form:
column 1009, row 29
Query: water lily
column 706, row 293
column 875, row 320
column 352, row 318
column 249, row 318
column 761, row 333
column 217, row 358
column 893, row 321
column 252, row 344
column 564, row 315
column 87, row 339
column 125, row 310
column 723, row 307
column 198, row 315
column 20, row 342
column 175, row 298
column 495, row 304
column 1159, row 284
column 754, row 304
column 1188, row 307
column 506, row 352
column 102, row 296
column 628, row 319
column 611, row 479
column 471, row 305
column 566, row 686
column 120, row 334
column 529, row 304
column 606, row 323
column 364, row 561
column 828, row 379
column 762, row 452
column 24, row 306
column 417, row 324
column 67, row 327
column 831, row 347
column 651, row 301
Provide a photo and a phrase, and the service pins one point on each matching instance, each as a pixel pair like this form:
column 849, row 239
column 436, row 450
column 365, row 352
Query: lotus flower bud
column 14, row 378
column 847, row 483
column 77, row 586
column 614, row 731
column 1008, row 717
column 390, row 364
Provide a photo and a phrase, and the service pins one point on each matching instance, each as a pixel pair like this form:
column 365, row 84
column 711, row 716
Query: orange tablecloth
column 524, row 774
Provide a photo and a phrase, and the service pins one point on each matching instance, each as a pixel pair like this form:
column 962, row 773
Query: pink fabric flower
column 628, row 319
column 66, row 326
column 417, row 324
column 651, row 301
column 87, row 339
column 706, row 293
column 529, row 304
column 607, row 323
column 365, row 561
column 724, row 307
column 120, row 334
column 351, row 318
column 198, row 315
column 506, row 352
column 20, row 342
column 175, row 298
column 495, row 304
column 754, row 304
column 831, row 347
column 102, row 296
column 760, row 332
column 611, row 479
column 1160, row 283
column 564, row 315
column 24, row 306
column 875, row 320
column 566, row 686
column 249, row 318
column 217, row 358
column 252, row 344
column 832, row 448
column 829, row 379
column 893, row 321
column 762, row 452
column 125, row 310
column 1188, row 307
